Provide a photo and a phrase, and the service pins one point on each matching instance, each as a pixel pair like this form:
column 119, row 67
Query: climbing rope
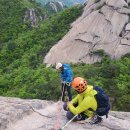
column 38, row 112
column 31, row 108
column 59, row 110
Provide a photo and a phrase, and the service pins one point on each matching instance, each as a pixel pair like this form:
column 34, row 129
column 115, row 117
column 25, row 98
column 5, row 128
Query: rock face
column 18, row 114
column 54, row 7
column 104, row 25
column 31, row 16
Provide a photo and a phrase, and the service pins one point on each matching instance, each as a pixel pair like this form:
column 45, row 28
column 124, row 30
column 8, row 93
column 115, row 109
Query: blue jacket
column 66, row 74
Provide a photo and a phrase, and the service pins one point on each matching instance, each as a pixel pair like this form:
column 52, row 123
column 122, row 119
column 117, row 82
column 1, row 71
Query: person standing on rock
column 85, row 104
column 66, row 79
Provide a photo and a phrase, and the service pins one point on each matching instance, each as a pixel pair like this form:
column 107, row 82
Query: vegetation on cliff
column 22, row 73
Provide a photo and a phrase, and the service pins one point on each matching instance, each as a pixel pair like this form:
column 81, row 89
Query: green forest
column 23, row 48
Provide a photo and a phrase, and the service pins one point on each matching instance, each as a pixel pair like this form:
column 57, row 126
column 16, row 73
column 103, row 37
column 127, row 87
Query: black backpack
column 102, row 102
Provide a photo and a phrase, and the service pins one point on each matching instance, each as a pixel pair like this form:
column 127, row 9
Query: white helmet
column 58, row 66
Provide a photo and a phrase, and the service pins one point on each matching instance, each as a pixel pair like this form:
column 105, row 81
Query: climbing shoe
column 96, row 119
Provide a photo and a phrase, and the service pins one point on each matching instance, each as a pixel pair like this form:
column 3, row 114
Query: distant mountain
column 54, row 7
column 66, row 2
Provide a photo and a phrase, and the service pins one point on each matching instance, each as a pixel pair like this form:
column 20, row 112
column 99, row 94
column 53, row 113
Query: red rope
column 58, row 118
column 58, row 112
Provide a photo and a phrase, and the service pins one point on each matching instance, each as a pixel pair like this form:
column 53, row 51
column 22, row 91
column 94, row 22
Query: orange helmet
column 79, row 84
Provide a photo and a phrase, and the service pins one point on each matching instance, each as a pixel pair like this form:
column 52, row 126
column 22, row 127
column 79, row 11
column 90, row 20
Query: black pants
column 70, row 115
column 64, row 87
column 79, row 117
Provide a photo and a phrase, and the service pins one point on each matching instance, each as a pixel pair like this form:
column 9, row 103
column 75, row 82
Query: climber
column 66, row 79
column 84, row 104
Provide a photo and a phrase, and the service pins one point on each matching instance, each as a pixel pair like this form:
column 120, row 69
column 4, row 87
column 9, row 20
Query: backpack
column 102, row 102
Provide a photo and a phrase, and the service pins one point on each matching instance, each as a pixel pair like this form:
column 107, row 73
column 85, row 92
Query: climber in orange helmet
column 84, row 103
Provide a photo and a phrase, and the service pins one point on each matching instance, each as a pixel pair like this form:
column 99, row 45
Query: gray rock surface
column 104, row 25
column 30, row 15
column 18, row 114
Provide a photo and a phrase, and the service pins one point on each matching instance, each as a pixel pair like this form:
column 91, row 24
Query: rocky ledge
column 19, row 114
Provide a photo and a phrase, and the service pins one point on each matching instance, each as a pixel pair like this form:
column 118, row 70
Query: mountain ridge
column 54, row 7
column 66, row 2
